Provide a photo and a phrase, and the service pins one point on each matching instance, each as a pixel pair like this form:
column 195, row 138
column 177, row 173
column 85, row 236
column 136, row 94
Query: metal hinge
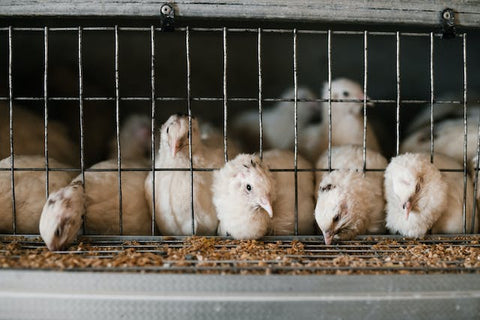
column 167, row 17
column 447, row 18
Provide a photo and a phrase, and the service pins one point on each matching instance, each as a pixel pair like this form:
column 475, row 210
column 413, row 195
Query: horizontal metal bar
column 238, row 99
column 219, row 30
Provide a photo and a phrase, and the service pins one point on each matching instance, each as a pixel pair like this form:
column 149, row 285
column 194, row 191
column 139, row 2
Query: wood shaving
column 211, row 255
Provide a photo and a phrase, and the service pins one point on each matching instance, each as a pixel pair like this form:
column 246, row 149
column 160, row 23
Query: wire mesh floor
column 271, row 255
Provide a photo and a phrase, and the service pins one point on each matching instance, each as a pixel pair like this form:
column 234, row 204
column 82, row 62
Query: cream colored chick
column 347, row 122
column 212, row 137
column 278, row 121
column 28, row 136
column 448, row 139
column 421, row 198
column 29, row 192
column 98, row 203
column 173, row 188
column 252, row 202
column 135, row 138
column 350, row 202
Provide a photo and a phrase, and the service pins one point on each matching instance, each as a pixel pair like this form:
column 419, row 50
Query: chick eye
column 328, row 187
column 167, row 129
column 346, row 93
column 249, row 187
column 336, row 218
column 417, row 187
column 57, row 232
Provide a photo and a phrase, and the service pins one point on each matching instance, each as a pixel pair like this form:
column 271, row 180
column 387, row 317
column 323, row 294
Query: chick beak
column 362, row 97
column 267, row 206
column 328, row 237
column 407, row 206
column 176, row 147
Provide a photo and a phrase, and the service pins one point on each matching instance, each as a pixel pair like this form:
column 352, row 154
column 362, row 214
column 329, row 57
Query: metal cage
column 424, row 24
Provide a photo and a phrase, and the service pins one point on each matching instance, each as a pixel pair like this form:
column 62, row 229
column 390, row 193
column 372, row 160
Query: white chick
column 347, row 122
column 420, row 197
column 278, row 121
column 28, row 136
column 212, row 137
column 448, row 139
column 98, row 203
column 29, row 192
column 350, row 202
column 173, row 188
column 135, row 138
column 252, row 202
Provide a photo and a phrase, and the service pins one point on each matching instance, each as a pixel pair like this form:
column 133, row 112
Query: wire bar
column 432, row 101
column 225, row 110
column 189, row 110
column 295, row 107
column 398, row 94
column 365, row 77
column 260, row 112
column 465, row 137
column 45, row 94
column 10, row 109
column 153, row 150
column 82, row 124
column 117, row 124
column 329, row 58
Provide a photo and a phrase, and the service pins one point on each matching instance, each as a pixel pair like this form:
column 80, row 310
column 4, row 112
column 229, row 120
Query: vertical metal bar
column 45, row 97
column 398, row 94
column 464, row 45
column 189, row 109
column 475, row 186
column 329, row 60
column 432, row 129
column 295, row 104
column 117, row 124
column 260, row 112
column 365, row 75
column 225, row 115
column 12, row 153
column 153, row 153
column 80, row 106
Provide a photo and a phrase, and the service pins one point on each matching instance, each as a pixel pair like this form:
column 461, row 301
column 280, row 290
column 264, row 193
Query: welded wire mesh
column 315, row 250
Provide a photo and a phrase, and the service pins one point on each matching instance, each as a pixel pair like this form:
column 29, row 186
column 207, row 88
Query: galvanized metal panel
column 373, row 11
column 54, row 295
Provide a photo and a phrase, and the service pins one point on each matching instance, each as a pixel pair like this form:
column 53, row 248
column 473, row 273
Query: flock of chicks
column 248, row 197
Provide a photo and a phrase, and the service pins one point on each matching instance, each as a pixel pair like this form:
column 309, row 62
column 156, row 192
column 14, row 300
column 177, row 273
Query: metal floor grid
column 271, row 255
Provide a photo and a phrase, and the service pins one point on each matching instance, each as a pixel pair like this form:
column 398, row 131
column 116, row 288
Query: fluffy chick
column 98, row 203
column 28, row 136
column 278, row 121
column 29, row 192
column 212, row 137
column 252, row 202
column 420, row 197
column 448, row 139
column 350, row 202
column 173, row 188
column 135, row 138
column 347, row 121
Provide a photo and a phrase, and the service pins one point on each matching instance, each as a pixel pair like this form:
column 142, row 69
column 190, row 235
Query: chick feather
column 29, row 192
column 173, row 188
column 278, row 121
column 29, row 136
column 346, row 121
column 421, row 198
column 98, row 202
column 350, row 201
column 252, row 202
